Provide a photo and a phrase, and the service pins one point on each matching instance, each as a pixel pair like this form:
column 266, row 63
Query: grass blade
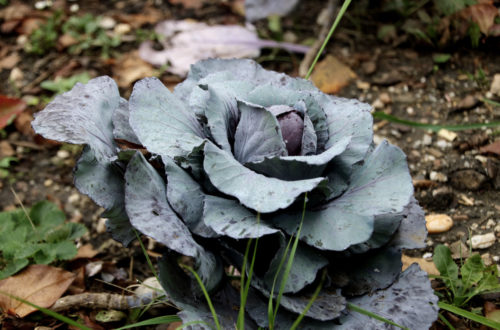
column 432, row 127
column 153, row 321
column 145, row 252
column 497, row 104
column 469, row 315
column 446, row 322
column 245, row 285
column 311, row 301
column 207, row 296
column 48, row 312
column 373, row 315
column 290, row 261
column 330, row 33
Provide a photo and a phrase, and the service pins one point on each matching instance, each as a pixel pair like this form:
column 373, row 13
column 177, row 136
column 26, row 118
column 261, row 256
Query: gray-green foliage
column 39, row 237
column 471, row 279
column 219, row 158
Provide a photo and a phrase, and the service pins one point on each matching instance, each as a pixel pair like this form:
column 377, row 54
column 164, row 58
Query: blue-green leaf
column 229, row 218
column 121, row 125
column 410, row 302
column 412, row 232
column 306, row 264
column 253, row 190
column 258, row 135
column 103, row 182
column 149, row 212
column 221, row 110
column 161, row 121
column 381, row 185
column 348, row 117
column 83, row 116
column 186, row 198
column 298, row 167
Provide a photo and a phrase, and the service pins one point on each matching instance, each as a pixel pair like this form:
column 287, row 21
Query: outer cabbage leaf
column 309, row 138
column 83, row 116
column 180, row 290
column 149, row 212
column 381, row 185
column 161, row 121
column 229, row 218
column 103, row 182
column 365, row 273
column 291, row 168
column 410, row 302
column 327, row 306
column 121, row 125
column 241, row 69
column 412, row 232
column 306, row 264
column 348, row 117
column 253, row 190
column 187, row 198
column 258, row 135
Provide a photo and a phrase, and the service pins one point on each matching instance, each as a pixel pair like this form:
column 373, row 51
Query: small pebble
column 122, row 28
column 426, row 140
column 447, row 135
column 385, row 98
column 362, row 85
column 490, row 224
column 107, row 23
column 377, row 104
column 442, row 144
column 427, row 255
column 74, row 198
column 438, row 176
column 459, row 250
column 48, row 183
column 101, row 226
column 438, row 223
column 488, row 261
column 63, row 154
column 482, row 241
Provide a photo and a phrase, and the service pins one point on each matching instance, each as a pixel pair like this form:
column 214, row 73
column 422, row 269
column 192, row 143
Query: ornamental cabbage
column 233, row 154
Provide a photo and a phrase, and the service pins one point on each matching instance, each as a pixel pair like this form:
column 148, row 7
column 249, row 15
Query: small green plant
column 464, row 283
column 61, row 85
column 45, row 37
column 87, row 31
column 5, row 164
column 37, row 236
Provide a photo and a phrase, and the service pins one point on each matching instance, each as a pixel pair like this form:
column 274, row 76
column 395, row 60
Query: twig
column 311, row 53
column 103, row 301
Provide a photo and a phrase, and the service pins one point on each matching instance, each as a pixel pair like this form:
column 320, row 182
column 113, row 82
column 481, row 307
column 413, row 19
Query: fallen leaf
column 131, row 67
column 10, row 61
column 9, row 108
column 483, row 14
column 23, row 123
column 186, row 42
column 493, row 148
column 491, row 311
column 331, row 75
column 188, row 4
column 41, row 285
column 86, row 251
column 427, row 266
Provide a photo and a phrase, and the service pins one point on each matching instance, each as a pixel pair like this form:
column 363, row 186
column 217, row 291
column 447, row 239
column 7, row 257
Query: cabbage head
column 235, row 153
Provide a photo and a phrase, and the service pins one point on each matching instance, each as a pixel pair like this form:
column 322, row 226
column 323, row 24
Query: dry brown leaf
column 130, row 68
column 23, row 123
column 427, row 266
column 10, row 61
column 148, row 15
column 493, row 148
column 86, row 251
column 331, row 75
column 483, row 14
column 41, row 285
column 189, row 4
column 6, row 149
